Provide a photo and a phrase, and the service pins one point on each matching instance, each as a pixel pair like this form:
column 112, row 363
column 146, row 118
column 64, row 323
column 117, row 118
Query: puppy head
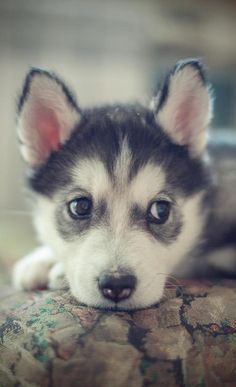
column 118, row 190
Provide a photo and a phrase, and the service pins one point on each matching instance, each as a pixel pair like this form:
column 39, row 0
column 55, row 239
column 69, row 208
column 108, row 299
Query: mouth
column 125, row 306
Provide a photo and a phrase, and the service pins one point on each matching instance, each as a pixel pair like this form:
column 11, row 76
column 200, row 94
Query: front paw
column 32, row 271
column 56, row 277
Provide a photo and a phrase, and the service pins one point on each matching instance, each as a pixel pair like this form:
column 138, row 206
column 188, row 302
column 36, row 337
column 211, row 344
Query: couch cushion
column 188, row 339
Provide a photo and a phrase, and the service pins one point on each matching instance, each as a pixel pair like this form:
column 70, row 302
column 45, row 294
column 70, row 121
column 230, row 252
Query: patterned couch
column 188, row 339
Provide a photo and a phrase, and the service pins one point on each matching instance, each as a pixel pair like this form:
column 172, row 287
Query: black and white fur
column 125, row 159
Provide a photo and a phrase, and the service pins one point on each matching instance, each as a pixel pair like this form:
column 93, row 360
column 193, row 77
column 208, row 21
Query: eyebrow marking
column 147, row 183
column 91, row 174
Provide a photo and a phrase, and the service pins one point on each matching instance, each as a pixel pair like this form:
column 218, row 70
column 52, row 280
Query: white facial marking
column 91, row 175
column 122, row 166
column 148, row 182
column 117, row 244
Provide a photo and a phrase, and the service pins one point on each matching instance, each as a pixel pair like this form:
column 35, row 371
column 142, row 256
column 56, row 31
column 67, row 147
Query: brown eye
column 159, row 211
column 80, row 208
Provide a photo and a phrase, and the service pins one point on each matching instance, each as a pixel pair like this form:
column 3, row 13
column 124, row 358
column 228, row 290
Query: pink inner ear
column 46, row 122
column 184, row 119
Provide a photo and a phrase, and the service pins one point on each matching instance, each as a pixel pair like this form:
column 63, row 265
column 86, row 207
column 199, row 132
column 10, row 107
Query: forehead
column 119, row 142
column 117, row 146
column 92, row 176
column 114, row 133
column 119, row 157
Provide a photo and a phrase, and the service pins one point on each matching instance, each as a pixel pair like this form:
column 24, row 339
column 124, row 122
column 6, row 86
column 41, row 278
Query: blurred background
column 108, row 51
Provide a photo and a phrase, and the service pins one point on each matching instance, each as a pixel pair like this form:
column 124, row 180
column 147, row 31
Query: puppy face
column 119, row 191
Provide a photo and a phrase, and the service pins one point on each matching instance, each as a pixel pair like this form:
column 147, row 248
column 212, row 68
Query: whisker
column 171, row 283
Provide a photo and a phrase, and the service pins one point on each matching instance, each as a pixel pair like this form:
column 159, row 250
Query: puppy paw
column 32, row 271
column 56, row 277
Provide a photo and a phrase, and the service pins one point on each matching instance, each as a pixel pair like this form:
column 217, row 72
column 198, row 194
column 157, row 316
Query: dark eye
column 80, row 208
column 159, row 212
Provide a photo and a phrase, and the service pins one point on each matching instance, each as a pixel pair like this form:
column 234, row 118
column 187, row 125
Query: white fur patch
column 56, row 277
column 122, row 167
column 149, row 182
column 32, row 271
column 91, row 176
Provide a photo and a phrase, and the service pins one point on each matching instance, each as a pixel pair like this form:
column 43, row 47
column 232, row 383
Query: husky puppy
column 123, row 195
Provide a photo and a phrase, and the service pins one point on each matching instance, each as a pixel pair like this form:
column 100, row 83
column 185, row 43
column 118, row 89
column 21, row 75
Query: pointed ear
column 183, row 106
column 47, row 115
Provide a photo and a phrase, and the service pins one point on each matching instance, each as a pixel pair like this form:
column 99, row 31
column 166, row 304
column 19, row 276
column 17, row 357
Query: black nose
column 116, row 287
